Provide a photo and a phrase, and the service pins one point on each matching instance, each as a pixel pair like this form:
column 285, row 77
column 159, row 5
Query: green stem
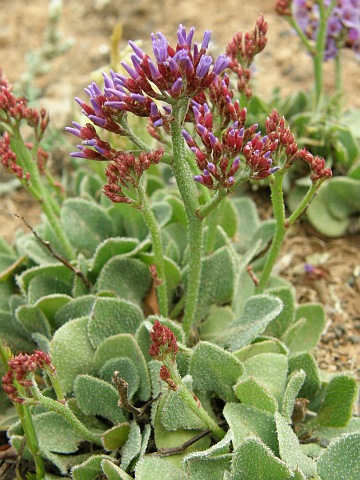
column 338, row 77
column 154, row 229
column 63, row 410
column 26, row 420
column 193, row 403
column 37, row 189
column 188, row 191
column 302, row 205
column 134, row 138
column 211, row 205
column 277, row 200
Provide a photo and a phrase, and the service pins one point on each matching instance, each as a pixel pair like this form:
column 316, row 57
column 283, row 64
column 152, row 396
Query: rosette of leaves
column 252, row 367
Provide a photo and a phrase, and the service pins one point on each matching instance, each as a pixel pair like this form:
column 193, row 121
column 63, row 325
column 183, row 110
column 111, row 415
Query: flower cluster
column 164, row 342
column 125, row 172
column 8, row 158
column 343, row 24
column 219, row 160
column 317, row 166
column 15, row 109
column 242, row 50
column 19, row 369
column 277, row 131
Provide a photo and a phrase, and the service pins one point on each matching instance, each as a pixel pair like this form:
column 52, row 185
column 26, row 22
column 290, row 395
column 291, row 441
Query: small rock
column 355, row 339
column 339, row 331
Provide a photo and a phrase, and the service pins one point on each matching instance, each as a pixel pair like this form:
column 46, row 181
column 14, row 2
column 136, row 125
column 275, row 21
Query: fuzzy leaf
column 272, row 345
column 279, row 325
column 246, row 421
column 97, row 397
column 59, row 272
column 295, row 382
column 259, row 310
column 132, row 446
column 248, row 221
column 204, row 468
column 176, row 415
column 308, row 335
column 90, row 469
column 127, row 370
column 157, row 467
column 14, row 334
column 115, row 437
column 290, row 450
column 85, row 224
column 341, row 459
column 215, row 370
column 111, row 316
column 51, row 304
column 340, row 395
column 55, row 434
column 111, row 247
column 305, row 361
column 76, row 308
column 125, row 345
column 71, row 352
column 251, row 392
column 270, row 370
column 127, row 277
column 216, row 322
column 255, row 461
column 42, row 286
column 113, row 472
column 33, row 320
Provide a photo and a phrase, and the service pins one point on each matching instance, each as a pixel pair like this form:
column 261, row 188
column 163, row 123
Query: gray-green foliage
column 251, row 363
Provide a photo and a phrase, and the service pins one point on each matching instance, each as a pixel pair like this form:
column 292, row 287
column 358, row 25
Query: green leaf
column 56, row 272
column 72, row 353
column 246, row 421
column 85, row 224
column 309, row 332
column 259, row 310
column 272, row 345
column 97, row 397
column 341, row 460
column 127, row 370
column 251, row 392
column 204, row 468
column 132, row 446
column 90, row 469
column 51, row 304
column 295, row 382
column 43, row 286
column 126, row 346
column 176, row 415
column 156, row 467
column 253, row 460
column 76, row 308
column 305, row 361
column 248, row 221
column 290, row 450
column 279, row 325
column 33, row 320
column 111, row 247
column 14, row 334
column 216, row 322
column 131, row 220
column 270, row 370
column 111, row 316
column 113, row 472
column 215, row 370
column 55, row 434
column 115, row 437
column 129, row 278
column 340, row 396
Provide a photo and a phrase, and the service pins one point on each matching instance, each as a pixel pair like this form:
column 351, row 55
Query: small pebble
column 355, row 339
column 339, row 331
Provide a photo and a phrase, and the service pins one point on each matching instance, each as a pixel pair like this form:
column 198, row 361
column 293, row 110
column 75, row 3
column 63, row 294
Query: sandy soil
column 283, row 64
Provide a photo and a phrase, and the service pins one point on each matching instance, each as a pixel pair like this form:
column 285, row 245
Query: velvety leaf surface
column 261, row 346
column 76, row 308
column 110, row 316
column 337, row 407
column 55, row 434
column 248, row 221
column 289, row 448
column 251, row 392
column 246, row 421
column 97, row 397
column 127, row 370
column 51, row 304
column 125, row 345
column 279, row 325
column 305, row 361
column 59, row 272
column 156, row 467
column 72, row 353
column 112, row 247
column 341, row 460
column 33, row 320
column 295, row 382
column 115, row 437
column 214, row 369
column 175, row 415
column 85, row 224
column 113, row 472
column 90, row 469
column 42, row 286
column 132, row 446
column 259, row 310
column 253, row 460
column 308, row 335
column 129, row 278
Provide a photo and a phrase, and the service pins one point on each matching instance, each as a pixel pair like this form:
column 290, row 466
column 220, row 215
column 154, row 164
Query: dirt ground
column 283, row 64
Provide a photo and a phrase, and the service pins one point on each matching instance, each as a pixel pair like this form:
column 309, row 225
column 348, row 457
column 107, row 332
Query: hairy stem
column 154, row 229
